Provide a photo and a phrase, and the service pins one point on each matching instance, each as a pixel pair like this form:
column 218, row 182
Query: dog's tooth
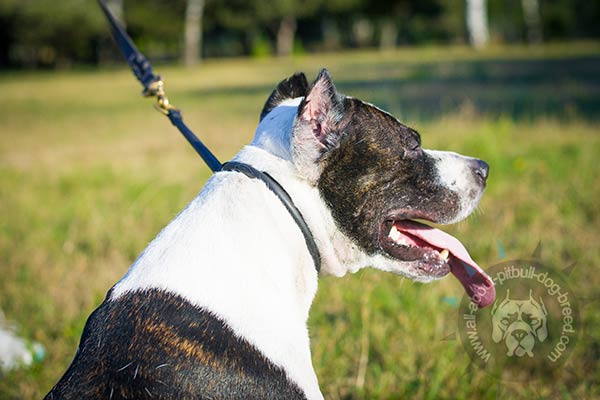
column 394, row 234
column 444, row 254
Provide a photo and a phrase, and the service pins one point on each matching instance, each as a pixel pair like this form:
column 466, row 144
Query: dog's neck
column 274, row 132
column 271, row 151
column 339, row 255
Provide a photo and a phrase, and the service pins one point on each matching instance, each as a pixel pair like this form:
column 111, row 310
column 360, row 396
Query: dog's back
column 153, row 344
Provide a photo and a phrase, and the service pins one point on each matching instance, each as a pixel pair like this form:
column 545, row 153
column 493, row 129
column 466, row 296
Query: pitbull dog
column 518, row 323
column 216, row 306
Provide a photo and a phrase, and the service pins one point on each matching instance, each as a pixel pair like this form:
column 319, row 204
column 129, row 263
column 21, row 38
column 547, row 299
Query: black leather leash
column 154, row 87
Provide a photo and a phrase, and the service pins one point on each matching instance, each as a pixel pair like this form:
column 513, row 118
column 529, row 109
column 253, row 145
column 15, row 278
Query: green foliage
column 48, row 32
column 568, row 18
column 45, row 33
column 156, row 26
column 261, row 47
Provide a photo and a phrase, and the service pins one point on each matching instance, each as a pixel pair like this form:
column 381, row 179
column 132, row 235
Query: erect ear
column 319, row 111
column 317, row 126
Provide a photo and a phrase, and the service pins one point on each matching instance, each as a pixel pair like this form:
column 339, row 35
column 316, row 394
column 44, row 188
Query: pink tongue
column 477, row 283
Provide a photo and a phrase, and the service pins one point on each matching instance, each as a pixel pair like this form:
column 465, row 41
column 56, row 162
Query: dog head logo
column 519, row 323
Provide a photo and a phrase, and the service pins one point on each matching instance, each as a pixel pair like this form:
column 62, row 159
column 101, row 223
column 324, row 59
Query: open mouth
column 436, row 253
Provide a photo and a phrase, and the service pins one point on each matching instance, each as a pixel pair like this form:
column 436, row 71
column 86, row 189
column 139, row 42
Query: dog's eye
column 509, row 319
column 530, row 319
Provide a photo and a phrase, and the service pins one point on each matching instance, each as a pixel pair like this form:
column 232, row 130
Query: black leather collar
column 285, row 199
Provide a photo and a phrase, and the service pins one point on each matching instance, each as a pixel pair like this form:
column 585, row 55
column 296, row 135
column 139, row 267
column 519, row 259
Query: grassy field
column 89, row 173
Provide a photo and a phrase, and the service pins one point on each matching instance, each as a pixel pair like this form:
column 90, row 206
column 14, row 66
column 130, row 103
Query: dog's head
column 375, row 178
column 518, row 323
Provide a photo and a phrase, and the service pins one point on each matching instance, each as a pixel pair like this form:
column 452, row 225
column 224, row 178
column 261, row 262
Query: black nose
column 519, row 334
column 481, row 169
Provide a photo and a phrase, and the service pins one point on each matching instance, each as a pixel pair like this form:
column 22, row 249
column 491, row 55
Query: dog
column 519, row 323
column 216, row 306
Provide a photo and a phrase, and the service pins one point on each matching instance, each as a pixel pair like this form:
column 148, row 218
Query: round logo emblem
column 530, row 329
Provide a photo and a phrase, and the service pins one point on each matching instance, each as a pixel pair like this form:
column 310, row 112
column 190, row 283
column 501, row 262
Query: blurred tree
column 452, row 21
column 49, row 33
column 281, row 17
column 507, row 22
column 157, row 26
column 531, row 14
column 333, row 20
column 7, row 29
column 477, row 23
column 231, row 21
column 193, row 32
column 405, row 21
column 257, row 17
column 564, row 19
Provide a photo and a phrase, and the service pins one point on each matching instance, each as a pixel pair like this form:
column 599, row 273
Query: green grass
column 89, row 173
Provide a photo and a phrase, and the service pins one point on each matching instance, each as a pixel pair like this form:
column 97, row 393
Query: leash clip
column 154, row 87
column 157, row 89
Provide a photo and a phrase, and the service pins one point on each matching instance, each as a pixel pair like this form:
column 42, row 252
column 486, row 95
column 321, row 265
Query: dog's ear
column 290, row 88
column 320, row 110
column 317, row 126
column 497, row 332
column 542, row 332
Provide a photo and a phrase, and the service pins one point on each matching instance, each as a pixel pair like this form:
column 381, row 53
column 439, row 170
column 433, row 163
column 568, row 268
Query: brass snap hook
column 156, row 89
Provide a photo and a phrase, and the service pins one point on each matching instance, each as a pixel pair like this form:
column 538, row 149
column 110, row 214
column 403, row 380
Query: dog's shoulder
column 153, row 343
column 290, row 88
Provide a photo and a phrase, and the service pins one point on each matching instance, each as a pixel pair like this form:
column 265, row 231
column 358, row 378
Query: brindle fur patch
column 379, row 171
column 154, row 344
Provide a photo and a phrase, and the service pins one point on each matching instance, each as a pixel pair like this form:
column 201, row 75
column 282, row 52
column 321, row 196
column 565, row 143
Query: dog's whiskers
column 125, row 366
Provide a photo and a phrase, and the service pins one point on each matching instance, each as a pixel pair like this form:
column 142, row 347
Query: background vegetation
column 50, row 34
column 89, row 173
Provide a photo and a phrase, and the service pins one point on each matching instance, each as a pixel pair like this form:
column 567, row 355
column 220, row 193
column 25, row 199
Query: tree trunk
column 477, row 23
column 362, row 32
column 285, row 36
column 193, row 32
column 531, row 12
column 389, row 34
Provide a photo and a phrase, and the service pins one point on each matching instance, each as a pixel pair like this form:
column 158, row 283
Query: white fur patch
column 454, row 172
column 235, row 251
column 273, row 134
